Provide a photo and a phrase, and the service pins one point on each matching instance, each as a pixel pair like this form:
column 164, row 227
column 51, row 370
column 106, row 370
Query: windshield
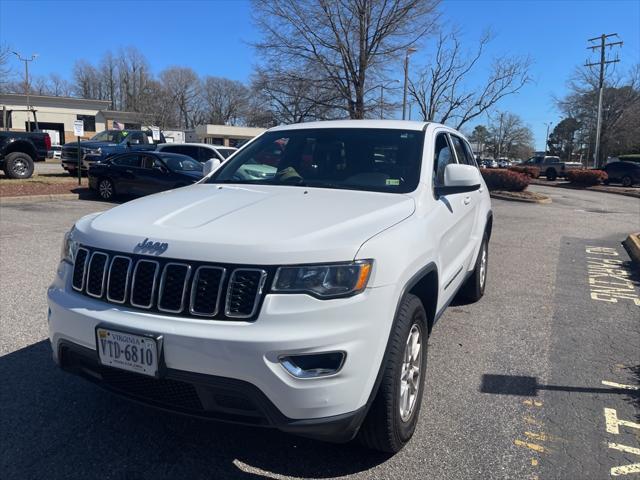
column 181, row 163
column 351, row 158
column 111, row 136
column 226, row 152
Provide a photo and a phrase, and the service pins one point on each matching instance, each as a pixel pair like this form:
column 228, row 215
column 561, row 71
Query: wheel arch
column 420, row 283
column 22, row 147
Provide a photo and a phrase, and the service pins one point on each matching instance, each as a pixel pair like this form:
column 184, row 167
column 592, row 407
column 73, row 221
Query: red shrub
column 533, row 172
column 501, row 179
column 586, row 178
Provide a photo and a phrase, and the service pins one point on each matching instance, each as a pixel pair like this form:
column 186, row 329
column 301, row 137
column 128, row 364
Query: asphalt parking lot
column 536, row 381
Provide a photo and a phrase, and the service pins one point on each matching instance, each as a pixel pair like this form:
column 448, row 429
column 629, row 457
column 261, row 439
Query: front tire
column 473, row 289
column 106, row 189
column 18, row 165
column 392, row 418
column 551, row 174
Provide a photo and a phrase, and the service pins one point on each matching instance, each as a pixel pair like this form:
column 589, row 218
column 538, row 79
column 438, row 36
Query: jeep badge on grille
column 147, row 246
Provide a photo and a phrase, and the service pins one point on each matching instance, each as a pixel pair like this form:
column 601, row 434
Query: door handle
column 467, row 200
column 129, row 171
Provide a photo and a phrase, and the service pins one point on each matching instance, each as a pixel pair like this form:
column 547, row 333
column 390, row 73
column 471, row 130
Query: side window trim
column 452, row 147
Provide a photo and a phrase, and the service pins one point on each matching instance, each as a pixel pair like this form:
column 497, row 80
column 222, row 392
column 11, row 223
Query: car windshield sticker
column 393, row 181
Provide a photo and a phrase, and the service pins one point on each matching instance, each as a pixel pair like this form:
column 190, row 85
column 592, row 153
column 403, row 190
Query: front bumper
column 204, row 396
column 248, row 352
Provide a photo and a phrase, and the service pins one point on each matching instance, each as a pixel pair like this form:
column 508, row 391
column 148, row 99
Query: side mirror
column 459, row 179
column 210, row 165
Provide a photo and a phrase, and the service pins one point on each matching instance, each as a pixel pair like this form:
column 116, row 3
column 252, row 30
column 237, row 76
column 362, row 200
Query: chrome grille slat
column 79, row 269
column 97, row 272
column 244, row 292
column 164, row 286
column 115, row 261
column 169, row 286
column 140, row 264
column 195, row 305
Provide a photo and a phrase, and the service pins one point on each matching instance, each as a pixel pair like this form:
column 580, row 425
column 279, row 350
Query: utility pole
column 603, row 62
column 28, row 86
column 546, row 139
column 499, row 137
column 410, row 50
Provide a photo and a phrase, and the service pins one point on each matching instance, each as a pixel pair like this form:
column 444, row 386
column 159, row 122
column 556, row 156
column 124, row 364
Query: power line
column 603, row 62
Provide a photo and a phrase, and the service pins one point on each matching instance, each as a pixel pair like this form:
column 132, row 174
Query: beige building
column 226, row 135
column 56, row 115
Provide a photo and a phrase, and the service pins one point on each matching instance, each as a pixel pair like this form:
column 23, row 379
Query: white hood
column 258, row 225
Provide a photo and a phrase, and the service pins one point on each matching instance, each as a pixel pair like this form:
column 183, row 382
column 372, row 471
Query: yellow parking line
column 534, row 462
column 531, row 446
column 537, row 436
column 532, row 403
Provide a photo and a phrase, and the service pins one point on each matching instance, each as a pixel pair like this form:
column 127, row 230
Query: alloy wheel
column 410, row 374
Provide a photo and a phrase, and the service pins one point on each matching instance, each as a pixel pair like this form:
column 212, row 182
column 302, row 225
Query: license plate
column 127, row 351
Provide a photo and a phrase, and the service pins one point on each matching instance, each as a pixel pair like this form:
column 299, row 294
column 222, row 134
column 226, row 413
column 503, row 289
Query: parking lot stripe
column 531, row 446
column 620, row 385
column 613, row 422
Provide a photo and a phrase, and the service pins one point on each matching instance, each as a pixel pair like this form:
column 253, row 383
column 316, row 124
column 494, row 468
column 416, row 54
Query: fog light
column 313, row 365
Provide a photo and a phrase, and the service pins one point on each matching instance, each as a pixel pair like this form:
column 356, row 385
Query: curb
column 39, row 198
column 591, row 189
column 632, row 246
column 503, row 196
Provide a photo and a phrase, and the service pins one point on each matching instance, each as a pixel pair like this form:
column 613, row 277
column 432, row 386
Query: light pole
column 410, row 50
column 26, row 70
column 546, row 138
column 382, row 87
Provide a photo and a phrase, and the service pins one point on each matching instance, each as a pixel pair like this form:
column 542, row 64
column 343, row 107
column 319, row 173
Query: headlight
column 69, row 247
column 95, row 151
column 324, row 281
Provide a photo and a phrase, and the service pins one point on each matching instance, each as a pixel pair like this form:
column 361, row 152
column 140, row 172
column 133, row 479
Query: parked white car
column 198, row 151
column 301, row 300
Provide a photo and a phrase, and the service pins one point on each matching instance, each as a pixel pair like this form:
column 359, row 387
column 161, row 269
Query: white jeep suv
column 301, row 299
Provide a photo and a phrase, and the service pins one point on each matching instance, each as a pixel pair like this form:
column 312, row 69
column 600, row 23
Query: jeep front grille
column 171, row 286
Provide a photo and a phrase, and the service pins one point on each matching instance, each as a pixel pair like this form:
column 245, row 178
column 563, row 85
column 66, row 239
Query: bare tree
column 443, row 90
column 86, row 80
column 58, row 86
column 350, row 43
column 184, row 87
column 509, row 136
column 293, row 97
column 5, row 68
column 109, row 77
column 620, row 110
column 226, row 101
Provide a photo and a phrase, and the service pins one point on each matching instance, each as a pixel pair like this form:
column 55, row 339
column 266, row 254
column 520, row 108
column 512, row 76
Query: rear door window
column 463, row 152
column 131, row 160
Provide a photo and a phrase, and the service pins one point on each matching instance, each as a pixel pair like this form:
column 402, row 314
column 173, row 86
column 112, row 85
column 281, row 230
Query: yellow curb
column 632, row 245
column 38, row 198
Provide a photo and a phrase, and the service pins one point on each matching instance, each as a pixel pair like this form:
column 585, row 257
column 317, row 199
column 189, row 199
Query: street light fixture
column 26, row 69
column 410, row 50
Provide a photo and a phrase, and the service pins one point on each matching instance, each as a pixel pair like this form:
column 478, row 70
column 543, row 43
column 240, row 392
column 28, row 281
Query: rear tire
column 473, row 289
column 551, row 174
column 106, row 189
column 627, row 181
column 393, row 415
column 18, row 165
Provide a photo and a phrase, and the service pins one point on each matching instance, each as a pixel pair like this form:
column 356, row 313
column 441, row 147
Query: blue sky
column 213, row 37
